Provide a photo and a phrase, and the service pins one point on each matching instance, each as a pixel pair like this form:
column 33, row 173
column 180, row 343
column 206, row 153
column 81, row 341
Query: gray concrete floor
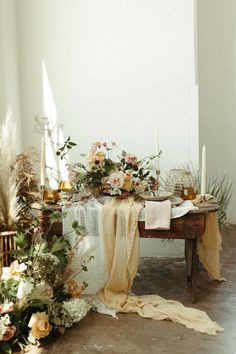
column 132, row 334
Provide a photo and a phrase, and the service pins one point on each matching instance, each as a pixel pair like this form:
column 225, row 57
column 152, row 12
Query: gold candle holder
column 41, row 191
column 65, row 186
column 51, row 196
column 157, row 182
column 202, row 198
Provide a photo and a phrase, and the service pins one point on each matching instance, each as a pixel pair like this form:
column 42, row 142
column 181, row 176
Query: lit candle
column 203, row 174
column 157, row 147
column 43, row 161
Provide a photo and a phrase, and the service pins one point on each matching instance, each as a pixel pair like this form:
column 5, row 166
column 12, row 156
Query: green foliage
column 56, row 216
column 37, row 282
column 63, row 150
column 5, row 348
column 77, row 228
column 220, row 186
column 8, row 290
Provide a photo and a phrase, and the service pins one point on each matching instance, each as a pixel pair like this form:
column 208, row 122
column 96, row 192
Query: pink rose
column 6, row 308
column 116, row 180
column 132, row 159
column 72, row 176
column 9, row 333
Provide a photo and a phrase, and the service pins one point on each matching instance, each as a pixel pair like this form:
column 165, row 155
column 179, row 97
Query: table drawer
column 187, row 227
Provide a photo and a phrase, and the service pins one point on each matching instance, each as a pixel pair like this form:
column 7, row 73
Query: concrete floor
column 132, row 334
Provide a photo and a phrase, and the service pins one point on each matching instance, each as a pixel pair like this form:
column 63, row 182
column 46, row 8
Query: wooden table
column 189, row 227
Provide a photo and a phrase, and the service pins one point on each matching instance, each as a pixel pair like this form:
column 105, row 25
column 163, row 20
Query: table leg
column 188, row 258
column 193, row 269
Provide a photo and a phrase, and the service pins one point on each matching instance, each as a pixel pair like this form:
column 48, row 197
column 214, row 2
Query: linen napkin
column 157, row 215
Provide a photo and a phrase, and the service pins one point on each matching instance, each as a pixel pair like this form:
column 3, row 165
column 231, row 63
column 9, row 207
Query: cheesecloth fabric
column 113, row 239
column 209, row 246
column 88, row 215
column 121, row 240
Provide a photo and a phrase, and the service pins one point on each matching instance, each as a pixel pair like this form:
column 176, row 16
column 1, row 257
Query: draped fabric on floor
column 120, row 243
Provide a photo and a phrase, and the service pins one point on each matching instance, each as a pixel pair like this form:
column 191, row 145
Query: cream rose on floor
column 40, row 326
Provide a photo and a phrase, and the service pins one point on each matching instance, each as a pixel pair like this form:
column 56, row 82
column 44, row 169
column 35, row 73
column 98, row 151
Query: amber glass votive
column 65, row 186
column 188, row 193
column 51, row 196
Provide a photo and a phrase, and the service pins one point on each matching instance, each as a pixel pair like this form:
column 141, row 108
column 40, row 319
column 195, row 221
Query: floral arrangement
column 102, row 174
column 38, row 293
column 28, row 185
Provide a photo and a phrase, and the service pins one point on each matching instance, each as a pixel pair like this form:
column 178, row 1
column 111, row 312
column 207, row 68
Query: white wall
column 217, row 85
column 116, row 70
column 9, row 76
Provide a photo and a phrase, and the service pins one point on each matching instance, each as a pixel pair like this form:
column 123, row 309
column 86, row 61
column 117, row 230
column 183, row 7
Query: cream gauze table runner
column 113, row 240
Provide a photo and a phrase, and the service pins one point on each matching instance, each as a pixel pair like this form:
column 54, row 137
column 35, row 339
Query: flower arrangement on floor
column 102, row 174
column 38, row 293
column 19, row 185
column 10, row 208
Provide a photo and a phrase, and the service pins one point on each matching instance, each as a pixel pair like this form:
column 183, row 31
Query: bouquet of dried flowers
column 102, row 174
column 38, row 293
column 28, row 185
column 10, row 208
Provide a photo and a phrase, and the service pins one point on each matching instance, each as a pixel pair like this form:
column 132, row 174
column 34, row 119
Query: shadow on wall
column 217, row 84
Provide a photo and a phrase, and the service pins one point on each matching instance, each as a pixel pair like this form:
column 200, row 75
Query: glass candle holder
column 51, row 196
column 65, row 186
column 181, row 183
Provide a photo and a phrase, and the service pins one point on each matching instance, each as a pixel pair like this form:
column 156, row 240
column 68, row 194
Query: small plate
column 176, row 200
column 156, row 196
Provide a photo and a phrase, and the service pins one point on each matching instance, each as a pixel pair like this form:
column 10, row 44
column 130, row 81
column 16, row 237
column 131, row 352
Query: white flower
column 75, row 309
column 14, row 271
column 25, row 287
column 116, row 179
column 4, row 322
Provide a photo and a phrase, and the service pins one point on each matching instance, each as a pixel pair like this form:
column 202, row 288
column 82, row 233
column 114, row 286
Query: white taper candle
column 157, row 147
column 43, row 161
column 203, row 172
